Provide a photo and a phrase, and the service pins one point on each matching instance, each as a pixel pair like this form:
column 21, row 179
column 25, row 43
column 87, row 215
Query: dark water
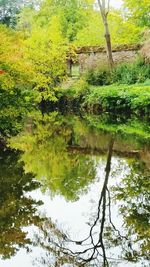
column 76, row 192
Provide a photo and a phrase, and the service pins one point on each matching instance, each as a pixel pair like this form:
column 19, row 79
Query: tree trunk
column 108, row 43
column 104, row 14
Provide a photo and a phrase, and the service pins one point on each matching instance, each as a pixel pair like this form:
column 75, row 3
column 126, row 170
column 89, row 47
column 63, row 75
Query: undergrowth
column 134, row 99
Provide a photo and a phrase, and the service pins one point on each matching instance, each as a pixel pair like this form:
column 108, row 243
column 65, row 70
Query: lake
column 75, row 191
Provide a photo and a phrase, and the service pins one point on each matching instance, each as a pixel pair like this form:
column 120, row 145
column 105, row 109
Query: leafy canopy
column 140, row 11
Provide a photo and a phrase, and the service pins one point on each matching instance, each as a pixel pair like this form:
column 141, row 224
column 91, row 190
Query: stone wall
column 91, row 57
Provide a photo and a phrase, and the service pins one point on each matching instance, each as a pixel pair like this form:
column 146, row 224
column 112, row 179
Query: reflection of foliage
column 133, row 130
column 55, row 149
column 16, row 210
column 56, row 242
column 133, row 245
column 134, row 192
column 52, row 240
column 45, row 148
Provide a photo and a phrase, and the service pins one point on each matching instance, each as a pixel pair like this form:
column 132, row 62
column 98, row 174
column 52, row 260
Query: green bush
column 125, row 73
column 122, row 99
column 100, row 76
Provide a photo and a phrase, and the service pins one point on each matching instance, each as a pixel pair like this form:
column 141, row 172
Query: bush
column 137, row 72
column 121, row 99
column 101, row 76
column 126, row 73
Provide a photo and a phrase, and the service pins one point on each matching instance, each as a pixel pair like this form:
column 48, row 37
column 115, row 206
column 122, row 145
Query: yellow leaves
column 123, row 31
column 139, row 11
column 54, row 31
column 6, row 82
column 72, row 53
column 93, row 34
column 46, row 51
column 38, row 62
column 17, row 70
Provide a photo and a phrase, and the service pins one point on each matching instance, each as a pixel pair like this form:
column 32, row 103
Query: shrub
column 125, row 73
column 137, row 72
column 121, row 99
column 100, row 76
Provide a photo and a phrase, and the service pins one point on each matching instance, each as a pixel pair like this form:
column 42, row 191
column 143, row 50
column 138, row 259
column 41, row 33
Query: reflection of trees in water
column 103, row 234
column 46, row 155
column 134, row 192
column 94, row 248
column 58, row 244
column 51, row 142
column 16, row 210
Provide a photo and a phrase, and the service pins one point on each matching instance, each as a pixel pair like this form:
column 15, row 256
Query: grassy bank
column 125, row 99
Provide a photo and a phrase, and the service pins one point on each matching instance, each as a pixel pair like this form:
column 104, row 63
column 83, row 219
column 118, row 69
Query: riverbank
column 124, row 99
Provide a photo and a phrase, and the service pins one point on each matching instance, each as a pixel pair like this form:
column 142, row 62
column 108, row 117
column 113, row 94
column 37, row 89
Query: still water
column 75, row 192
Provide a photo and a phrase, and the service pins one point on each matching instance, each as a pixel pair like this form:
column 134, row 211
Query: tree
column 104, row 6
column 73, row 15
column 139, row 11
column 16, row 81
column 45, row 49
column 32, row 66
column 10, row 9
column 124, row 30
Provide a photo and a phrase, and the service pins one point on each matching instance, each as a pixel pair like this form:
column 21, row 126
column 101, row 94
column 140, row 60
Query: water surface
column 75, row 192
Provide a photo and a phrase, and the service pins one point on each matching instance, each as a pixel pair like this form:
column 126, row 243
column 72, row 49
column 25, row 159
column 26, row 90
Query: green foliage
column 73, row 15
column 17, row 70
column 10, row 9
column 32, row 71
column 139, row 10
column 125, row 73
column 98, row 76
column 14, row 107
column 38, row 63
column 137, row 72
column 16, row 95
column 80, row 23
column 133, row 99
column 46, row 51
column 123, row 31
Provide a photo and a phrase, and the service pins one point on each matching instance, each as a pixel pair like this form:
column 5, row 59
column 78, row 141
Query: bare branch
column 109, row 204
column 108, row 7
